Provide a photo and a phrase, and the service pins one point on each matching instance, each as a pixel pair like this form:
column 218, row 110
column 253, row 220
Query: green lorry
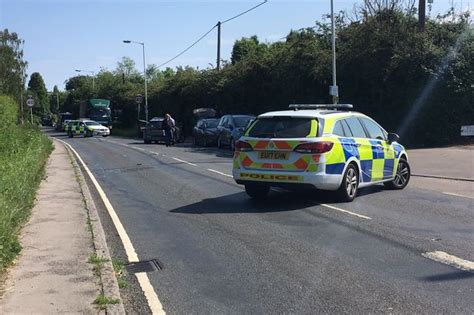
column 98, row 110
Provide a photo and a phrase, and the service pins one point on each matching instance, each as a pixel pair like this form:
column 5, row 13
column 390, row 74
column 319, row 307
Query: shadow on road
column 277, row 201
column 241, row 203
column 457, row 275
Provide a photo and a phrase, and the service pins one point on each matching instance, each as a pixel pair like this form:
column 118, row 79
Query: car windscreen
column 281, row 127
column 91, row 123
column 156, row 123
column 241, row 122
column 211, row 123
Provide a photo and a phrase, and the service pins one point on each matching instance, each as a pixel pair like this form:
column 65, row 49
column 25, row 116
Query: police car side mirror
column 393, row 137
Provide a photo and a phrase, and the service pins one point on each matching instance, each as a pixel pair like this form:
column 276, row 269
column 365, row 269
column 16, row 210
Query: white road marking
column 220, row 173
column 346, row 211
column 457, row 195
column 227, row 175
column 183, row 161
column 150, row 294
column 450, row 260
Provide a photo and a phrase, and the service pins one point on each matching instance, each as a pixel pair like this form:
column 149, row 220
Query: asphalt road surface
column 293, row 253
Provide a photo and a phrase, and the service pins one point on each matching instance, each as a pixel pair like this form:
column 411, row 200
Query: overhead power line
column 247, row 11
column 189, row 47
column 207, row 33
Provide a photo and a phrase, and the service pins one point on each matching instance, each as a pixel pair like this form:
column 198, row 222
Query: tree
column 245, row 47
column 37, row 87
column 126, row 67
column 12, row 65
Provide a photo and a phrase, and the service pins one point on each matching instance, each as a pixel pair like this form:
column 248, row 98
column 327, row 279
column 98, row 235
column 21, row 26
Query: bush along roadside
column 24, row 151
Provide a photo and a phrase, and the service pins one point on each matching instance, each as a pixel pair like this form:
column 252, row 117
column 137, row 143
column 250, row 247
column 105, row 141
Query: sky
column 64, row 35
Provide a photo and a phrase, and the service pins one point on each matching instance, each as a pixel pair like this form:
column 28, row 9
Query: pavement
column 455, row 162
column 408, row 251
column 52, row 274
column 446, row 170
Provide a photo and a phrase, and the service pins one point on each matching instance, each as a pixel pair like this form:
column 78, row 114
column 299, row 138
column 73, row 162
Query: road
column 293, row 253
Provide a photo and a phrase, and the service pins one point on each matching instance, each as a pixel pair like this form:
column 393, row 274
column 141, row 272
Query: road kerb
column 108, row 278
column 443, row 177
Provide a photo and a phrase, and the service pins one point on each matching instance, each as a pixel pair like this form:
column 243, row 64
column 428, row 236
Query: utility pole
column 421, row 15
column 333, row 90
column 218, row 64
column 146, row 89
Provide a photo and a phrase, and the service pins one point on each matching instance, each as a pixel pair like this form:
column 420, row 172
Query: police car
column 327, row 147
column 86, row 128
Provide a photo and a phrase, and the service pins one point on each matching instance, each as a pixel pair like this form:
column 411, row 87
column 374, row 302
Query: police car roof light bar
column 321, row 106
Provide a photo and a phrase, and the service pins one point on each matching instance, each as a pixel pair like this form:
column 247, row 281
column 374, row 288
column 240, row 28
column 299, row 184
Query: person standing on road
column 168, row 127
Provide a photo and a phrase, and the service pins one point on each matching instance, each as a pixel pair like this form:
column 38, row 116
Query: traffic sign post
column 138, row 100
column 30, row 102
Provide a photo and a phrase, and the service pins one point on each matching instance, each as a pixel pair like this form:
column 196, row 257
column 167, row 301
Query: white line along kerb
column 150, row 294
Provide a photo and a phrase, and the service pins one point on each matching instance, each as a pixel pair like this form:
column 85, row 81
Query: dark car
column 205, row 132
column 153, row 131
column 231, row 128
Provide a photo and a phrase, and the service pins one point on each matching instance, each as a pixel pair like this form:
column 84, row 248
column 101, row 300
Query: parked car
column 328, row 147
column 205, row 132
column 154, row 131
column 231, row 128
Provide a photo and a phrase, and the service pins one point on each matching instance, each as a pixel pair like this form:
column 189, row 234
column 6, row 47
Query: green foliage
column 12, row 65
column 37, row 89
column 403, row 78
column 102, row 301
column 8, row 112
column 23, row 153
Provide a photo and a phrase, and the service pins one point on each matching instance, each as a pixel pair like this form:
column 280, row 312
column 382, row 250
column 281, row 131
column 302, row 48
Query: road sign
column 333, row 90
column 30, row 102
column 139, row 99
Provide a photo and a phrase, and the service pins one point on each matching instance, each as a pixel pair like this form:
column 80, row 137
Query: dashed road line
column 457, row 195
column 150, row 294
column 220, row 173
column 183, row 161
column 346, row 211
column 451, row 260
column 230, row 176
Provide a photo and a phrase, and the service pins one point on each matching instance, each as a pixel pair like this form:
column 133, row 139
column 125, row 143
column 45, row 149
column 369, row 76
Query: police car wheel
column 350, row 184
column 257, row 191
column 402, row 176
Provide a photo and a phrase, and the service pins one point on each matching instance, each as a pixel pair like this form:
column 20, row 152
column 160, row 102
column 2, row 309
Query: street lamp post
column 144, row 74
column 333, row 90
column 93, row 76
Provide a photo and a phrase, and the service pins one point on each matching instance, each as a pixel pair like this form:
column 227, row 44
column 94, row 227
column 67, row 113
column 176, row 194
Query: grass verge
column 23, row 154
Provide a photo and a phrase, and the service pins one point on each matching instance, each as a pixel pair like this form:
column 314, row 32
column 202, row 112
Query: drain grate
column 144, row 266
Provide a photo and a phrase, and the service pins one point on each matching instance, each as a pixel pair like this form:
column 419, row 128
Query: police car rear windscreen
column 281, row 127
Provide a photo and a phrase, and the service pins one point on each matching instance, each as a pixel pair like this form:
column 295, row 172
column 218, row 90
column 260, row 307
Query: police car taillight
column 243, row 146
column 314, row 147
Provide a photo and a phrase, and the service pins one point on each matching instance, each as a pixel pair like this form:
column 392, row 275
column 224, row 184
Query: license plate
column 273, row 155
